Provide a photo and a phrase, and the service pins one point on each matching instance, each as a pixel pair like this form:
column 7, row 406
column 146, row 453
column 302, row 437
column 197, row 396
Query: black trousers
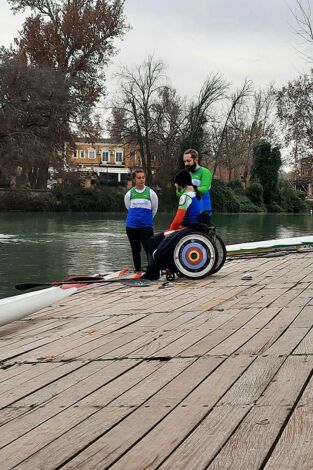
column 153, row 271
column 139, row 237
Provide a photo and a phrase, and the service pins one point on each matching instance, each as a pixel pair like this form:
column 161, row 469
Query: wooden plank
column 17, row 331
column 250, row 444
column 145, row 345
column 35, row 383
column 288, row 341
column 152, row 449
column 264, row 339
column 52, row 390
column 286, row 386
column 202, row 445
column 109, row 447
column 7, row 373
column 306, row 345
column 67, row 398
column 91, row 419
column 31, row 344
column 253, row 382
column 122, row 412
column 203, row 346
column 294, row 448
column 246, row 332
column 304, row 319
column 27, row 372
column 52, row 346
column 178, row 346
column 105, row 450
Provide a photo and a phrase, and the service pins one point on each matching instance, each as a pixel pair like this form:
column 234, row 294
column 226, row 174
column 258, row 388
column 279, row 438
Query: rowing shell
column 281, row 244
column 18, row 306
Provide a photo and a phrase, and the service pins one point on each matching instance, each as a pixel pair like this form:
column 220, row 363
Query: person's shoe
column 151, row 276
column 137, row 275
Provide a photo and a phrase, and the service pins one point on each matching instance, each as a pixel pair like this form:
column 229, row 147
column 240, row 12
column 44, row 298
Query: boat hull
column 281, row 244
column 18, row 306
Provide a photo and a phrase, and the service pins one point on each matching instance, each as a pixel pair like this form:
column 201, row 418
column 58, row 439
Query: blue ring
column 193, row 267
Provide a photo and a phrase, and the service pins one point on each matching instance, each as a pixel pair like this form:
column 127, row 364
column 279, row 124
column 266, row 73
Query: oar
column 125, row 282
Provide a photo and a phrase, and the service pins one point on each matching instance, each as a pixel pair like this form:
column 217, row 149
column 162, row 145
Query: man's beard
column 191, row 167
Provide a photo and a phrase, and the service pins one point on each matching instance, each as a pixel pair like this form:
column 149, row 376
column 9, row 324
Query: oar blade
column 135, row 282
column 29, row 285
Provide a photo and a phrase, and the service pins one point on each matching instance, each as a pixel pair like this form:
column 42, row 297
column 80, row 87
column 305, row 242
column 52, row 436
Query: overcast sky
column 196, row 38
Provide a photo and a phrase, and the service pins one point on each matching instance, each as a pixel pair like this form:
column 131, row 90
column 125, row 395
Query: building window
column 119, row 157
column 74, row 154
column 91, row 153
column 82, row 154
column 105, row 156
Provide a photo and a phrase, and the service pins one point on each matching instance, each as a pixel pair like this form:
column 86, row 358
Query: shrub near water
column 246, row 205
column 223, row 198
column 293, row 201
column 255, row 193
column 27, row 201
column 95, row 199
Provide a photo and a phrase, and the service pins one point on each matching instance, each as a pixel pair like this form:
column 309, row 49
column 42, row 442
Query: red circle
column 190, row 260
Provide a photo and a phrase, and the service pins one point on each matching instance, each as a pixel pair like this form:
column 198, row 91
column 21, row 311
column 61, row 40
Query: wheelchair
column 195, row 252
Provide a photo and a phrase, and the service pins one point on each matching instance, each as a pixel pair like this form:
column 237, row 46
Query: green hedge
column 27, row 201
column 223, row 198
column 293, row 201
column 95, row 199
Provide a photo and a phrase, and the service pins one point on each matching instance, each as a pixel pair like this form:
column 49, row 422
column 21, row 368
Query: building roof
column 99, row 140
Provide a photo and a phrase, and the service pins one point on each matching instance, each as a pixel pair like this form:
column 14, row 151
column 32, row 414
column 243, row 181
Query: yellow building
column 113, row 161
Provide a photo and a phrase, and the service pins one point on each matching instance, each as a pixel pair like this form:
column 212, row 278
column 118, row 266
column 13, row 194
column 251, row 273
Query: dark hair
column 135, row 172
column 194, row 154
column 183, row 178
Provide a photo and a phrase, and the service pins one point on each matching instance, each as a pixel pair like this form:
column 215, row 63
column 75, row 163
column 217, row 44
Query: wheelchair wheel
column 221, row 251
column 195, row 256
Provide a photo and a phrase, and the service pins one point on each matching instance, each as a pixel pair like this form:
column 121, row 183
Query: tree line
column 52, row 79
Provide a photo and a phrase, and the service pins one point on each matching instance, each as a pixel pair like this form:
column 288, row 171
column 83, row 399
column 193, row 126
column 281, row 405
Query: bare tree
column 295, row 111
column 139, row 89
column 197, row 116
column 169, row 116
column 303, row 17
column 302, row 26
column 250, row 116
column 235, row 101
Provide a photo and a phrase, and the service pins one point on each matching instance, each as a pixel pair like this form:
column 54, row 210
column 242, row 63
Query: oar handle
column 127, row 282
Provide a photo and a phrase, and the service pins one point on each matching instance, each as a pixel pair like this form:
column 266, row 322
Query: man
column 202, row 178
column 142, row 204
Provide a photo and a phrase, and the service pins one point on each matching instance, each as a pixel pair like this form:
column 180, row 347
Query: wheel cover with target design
column 195, row 255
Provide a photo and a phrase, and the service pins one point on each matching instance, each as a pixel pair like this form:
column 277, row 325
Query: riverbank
column 221, row 365
column 230, row 198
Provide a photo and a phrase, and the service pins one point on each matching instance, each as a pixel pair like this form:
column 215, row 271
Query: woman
column 142, row 204
column 190, row 207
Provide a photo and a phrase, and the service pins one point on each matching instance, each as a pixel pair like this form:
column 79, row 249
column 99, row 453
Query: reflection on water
column 38, row 247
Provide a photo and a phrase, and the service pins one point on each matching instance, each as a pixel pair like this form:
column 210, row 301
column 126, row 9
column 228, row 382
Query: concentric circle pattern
column 195, row 255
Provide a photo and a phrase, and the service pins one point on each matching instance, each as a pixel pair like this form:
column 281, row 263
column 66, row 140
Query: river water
column 40, row 247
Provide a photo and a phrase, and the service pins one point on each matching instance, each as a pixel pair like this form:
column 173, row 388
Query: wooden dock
column 215, row 373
